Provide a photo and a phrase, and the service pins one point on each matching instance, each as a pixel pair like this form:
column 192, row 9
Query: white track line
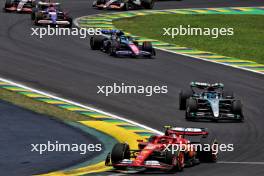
column 81, row 105
column 240, row 162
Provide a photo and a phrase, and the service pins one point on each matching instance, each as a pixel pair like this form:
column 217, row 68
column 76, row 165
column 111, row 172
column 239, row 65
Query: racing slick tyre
column 70, row 21
column 34, row 3
column 237, row 109
column 136, row 43
column 147, row 46
column 148, row 4
column 37, row 18
column 211, row 155
column 119, row 152
column 126, row 6
column 191, row 106
column 229, row 94
column 95, row 42
column 99, row 2
column 175, row 159
column 114, row 46
column 8, row 4
column 183, row 96
column 33, row 14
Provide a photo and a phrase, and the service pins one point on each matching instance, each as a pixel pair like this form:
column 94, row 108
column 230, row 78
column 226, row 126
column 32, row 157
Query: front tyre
column 95, row 42
column 126, row 6
column 191, row 107
column 120, row 152
column 237, row 109
column 183, row 96
column 148, row 4
column 114, row 46
column 37, row 18
column 147, row 46
column 33, row 14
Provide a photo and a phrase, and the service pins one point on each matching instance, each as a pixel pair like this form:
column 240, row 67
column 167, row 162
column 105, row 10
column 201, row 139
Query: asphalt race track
column 67, row 67
column 19, row 128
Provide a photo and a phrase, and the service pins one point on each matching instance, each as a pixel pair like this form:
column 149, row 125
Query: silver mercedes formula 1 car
column 211, row 102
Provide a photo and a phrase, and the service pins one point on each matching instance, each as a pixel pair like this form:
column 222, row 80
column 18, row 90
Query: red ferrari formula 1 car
column 23, row 6
column 177, row 148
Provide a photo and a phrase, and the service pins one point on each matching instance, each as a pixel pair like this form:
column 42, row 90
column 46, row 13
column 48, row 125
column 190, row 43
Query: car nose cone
column 215, row 107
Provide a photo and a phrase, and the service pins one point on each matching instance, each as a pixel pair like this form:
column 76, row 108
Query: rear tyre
column 175, row 159
column 119, row 152
column 148, row 4
column 208, row 156
column 8, row 3
column 95, row 42
column 183, row 96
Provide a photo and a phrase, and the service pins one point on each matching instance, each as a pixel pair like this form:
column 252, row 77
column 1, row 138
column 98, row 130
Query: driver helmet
column 52, row 8
column 210, row 89
column 163, row 141
column 114, row 36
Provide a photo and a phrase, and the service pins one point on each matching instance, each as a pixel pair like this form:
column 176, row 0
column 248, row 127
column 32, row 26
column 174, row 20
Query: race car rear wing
column 169, row 131
column 201, row 85
column 111, row 32
column 48, row 3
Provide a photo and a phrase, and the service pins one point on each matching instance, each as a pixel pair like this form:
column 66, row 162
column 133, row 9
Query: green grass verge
column 39, row 107
column 246, row 43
